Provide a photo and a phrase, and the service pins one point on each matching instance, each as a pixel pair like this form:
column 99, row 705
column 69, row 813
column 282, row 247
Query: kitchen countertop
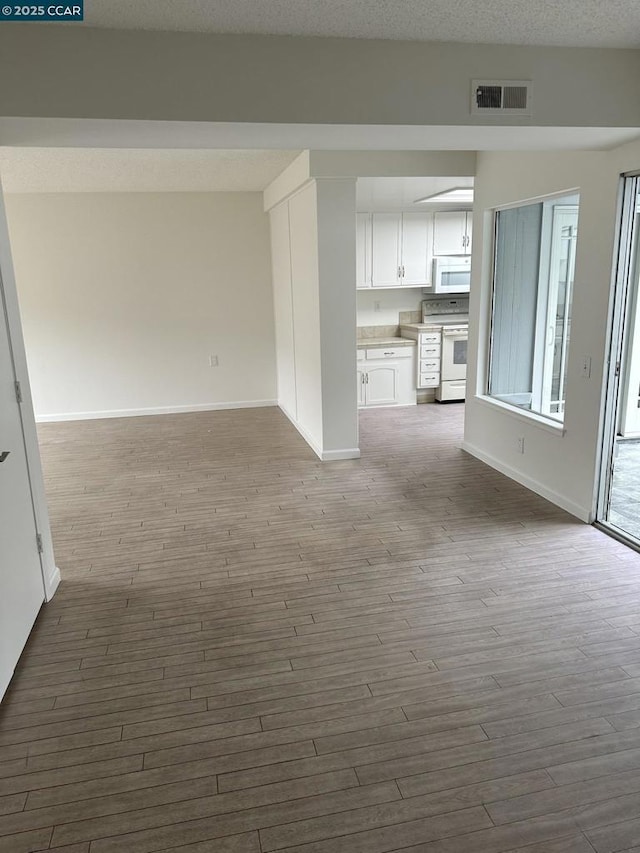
column 373, row 343
column 421, row 327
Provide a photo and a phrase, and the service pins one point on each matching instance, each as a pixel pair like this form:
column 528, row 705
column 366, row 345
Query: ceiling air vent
column 501, row 97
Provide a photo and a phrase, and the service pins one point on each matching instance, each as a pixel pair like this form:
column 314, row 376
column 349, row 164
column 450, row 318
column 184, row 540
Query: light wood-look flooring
column 252, row 651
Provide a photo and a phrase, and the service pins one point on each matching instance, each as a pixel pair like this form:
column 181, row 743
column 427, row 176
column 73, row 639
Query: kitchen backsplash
column 410, row 317
column 389, row 331
column 377, row 332
column 380, row 307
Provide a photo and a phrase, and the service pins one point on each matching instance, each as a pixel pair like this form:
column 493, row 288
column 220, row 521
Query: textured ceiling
column 580, row 23
column 25, row 170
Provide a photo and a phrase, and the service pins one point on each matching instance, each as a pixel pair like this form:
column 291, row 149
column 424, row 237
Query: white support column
column 336, row 199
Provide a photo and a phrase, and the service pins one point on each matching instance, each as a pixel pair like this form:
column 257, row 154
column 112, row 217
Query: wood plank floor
column 252, row 651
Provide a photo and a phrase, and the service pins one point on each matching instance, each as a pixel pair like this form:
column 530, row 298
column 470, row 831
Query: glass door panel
column 619, row 505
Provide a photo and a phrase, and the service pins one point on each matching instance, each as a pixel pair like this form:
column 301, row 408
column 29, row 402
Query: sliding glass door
column 619, row 503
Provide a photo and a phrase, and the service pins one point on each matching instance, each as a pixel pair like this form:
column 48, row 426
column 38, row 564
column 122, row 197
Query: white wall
column 390, row 302
column 81, row 72
column 560, row 464
column 125, row 296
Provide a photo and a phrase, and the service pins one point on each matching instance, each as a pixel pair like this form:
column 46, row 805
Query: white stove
column 452, row 316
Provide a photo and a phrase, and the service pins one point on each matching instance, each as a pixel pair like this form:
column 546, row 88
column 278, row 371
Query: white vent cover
column 501, row 97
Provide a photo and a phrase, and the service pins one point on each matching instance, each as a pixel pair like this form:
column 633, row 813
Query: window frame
column 536, row 418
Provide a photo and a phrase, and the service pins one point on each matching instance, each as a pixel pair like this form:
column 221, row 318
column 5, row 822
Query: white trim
column 323, row 455
column 583, row 513
column 334, row 455
column 302, row 432
column 157, row 410
column 534, row 419
column 51, row 583
column 538, row 199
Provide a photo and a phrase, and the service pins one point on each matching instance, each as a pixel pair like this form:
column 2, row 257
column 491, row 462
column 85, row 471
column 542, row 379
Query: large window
column 535, row 249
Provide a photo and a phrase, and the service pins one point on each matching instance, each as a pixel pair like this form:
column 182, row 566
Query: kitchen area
column 414, row 238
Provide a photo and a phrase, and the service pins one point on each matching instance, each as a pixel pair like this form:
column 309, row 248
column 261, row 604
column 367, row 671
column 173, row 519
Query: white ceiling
column 26, row 170
column 389, row 194
column 580, row 23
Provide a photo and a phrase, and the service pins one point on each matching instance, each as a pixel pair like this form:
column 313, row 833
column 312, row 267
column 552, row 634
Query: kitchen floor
column 252, row 651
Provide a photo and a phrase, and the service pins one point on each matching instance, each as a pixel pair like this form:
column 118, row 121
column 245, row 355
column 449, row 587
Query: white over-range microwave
column 451, row 274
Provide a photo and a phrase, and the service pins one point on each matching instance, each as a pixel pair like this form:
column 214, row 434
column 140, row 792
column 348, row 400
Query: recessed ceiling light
column 457, row 194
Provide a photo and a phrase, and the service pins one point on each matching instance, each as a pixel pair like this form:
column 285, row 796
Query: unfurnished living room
column 319, row 427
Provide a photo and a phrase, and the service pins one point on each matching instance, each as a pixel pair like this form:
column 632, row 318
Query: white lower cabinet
column 382, row 385
column 386, row 377
column 428, row 356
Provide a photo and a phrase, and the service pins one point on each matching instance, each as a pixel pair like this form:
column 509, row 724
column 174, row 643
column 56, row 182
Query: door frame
column 10, row 308
column 616, row 347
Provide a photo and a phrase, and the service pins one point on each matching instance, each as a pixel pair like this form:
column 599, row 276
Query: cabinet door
column 363, row 250
column 386, row 249
column 415, row 248
column 449, row 233
column 361, row 378
column 381, row 388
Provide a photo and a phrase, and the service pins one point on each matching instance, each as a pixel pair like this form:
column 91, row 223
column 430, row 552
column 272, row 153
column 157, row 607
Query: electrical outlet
column 585, row 367
column 376, row 306
column 521, row 444
column 213, row 361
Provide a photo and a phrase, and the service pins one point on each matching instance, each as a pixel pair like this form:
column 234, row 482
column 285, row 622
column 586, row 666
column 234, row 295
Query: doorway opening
column 413, row 250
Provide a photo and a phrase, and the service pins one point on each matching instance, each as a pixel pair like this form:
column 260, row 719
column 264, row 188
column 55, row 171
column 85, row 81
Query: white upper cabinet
column 386, row 265
column 397, row 249
column 363, row 250
column 452, row 232
column 415, row 260
column 400, row 249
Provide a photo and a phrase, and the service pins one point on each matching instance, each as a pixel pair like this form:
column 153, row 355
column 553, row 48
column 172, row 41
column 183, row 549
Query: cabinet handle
column 403, row 271
column 399, row 272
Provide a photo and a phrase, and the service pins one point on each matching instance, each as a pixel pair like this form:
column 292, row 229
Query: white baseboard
column 529, row 483
column 157, row 410
column 323, row 455
column 302, row 431
column 51, row 584
column 335, row 455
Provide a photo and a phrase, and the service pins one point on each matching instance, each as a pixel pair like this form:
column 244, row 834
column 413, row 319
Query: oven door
column 454, row 354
